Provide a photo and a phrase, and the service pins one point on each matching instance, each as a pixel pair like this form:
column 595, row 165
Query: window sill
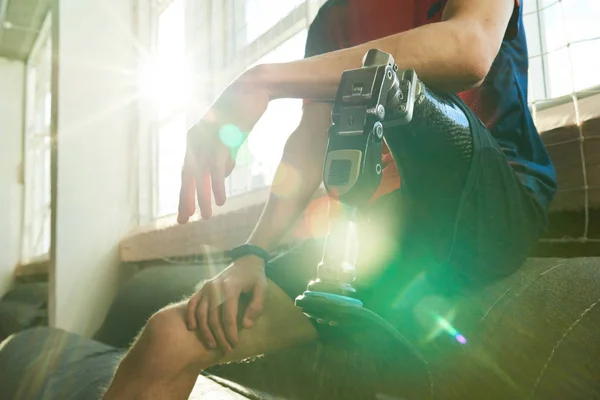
column 35, row 267
column 229, row 226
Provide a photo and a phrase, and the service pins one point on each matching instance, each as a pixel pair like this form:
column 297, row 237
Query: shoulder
column 331, row 7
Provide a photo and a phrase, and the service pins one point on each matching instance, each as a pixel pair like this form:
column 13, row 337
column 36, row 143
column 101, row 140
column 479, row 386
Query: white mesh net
column 563, row 82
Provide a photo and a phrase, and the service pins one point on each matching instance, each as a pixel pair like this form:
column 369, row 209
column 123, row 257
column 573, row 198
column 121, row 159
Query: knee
column 163, row 327
column 166, row 339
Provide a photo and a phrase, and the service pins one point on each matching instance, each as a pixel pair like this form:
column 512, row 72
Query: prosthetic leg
column 370, row 100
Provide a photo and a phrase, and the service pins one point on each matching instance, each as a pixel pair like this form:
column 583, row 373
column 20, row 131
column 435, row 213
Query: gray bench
column 532, row 336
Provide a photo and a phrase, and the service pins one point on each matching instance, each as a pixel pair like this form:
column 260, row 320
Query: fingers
column 255, row 307
column 187, row 193
column 191, row 311
column 203, row 328
column 229, row 315
column 203, row 193
column 214, row 322
column 197, row 318
column 196, row 170
column 213, row 311
column 217, row 178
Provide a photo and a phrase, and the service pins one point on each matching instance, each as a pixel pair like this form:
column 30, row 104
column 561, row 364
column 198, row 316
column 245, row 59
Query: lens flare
column 287, row 181
column 316, row 219
column 231, row 136
column 460, row 339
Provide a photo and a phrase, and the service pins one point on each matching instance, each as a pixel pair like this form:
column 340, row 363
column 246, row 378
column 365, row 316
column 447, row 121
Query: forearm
column 293, row 187
column 297, row 178
column 278, row 217
column 445, row 55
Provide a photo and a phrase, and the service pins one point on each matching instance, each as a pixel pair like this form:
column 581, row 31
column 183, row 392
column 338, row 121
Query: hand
column 213, row 310
column 213, row 142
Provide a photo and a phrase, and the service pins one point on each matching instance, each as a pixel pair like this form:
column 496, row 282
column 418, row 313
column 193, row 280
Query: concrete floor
column 207, row 389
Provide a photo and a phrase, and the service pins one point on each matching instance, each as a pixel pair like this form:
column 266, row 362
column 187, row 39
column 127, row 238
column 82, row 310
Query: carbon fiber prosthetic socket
column 442, row 117
column 436, row 144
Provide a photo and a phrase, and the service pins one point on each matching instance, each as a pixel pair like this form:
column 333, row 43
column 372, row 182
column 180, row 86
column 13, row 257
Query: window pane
column 529, row 6
column 570, row 44
column 170, row 77
column 171, row 145
column 47, row 110
column 558, row 69
column 553, row 28
column 544, row 3
column 36, row 227
column 262, row 151
column 532, row 32
column 582, row 19
column 168, row 82
column 536, row 80
column 586, row 64
column 261, row 15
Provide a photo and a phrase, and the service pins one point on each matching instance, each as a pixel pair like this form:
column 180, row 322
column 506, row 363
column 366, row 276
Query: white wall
column 96, row 126
column 11, row 135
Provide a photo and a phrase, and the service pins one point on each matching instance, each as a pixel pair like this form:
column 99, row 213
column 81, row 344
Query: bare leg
column 166, row 359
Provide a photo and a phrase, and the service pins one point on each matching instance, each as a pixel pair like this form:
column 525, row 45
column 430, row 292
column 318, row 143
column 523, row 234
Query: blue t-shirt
column 501, row 100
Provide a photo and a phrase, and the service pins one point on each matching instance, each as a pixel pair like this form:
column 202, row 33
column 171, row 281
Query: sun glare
column 165, row 83
column 165, row 75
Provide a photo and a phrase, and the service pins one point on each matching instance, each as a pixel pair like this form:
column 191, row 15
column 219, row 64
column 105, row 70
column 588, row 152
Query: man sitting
column 467, row 212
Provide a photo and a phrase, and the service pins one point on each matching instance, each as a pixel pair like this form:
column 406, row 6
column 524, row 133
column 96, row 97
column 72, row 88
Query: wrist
column 263, row 244
column 257, row 79
column 246, row 250
column 250, row 261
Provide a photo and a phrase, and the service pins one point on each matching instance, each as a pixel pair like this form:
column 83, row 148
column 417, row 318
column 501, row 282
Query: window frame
column 155, row 122
column 36, row 98
column 547, row 101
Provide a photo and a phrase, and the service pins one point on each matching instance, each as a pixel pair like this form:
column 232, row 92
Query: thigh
column 498, row 221
column 294, row 269
column 281, row 325
column 467, row 222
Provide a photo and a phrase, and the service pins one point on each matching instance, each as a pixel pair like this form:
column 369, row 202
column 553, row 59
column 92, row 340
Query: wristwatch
column 248, row 250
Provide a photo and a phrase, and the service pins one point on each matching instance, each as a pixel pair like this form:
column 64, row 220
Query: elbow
column 474, row 76
column 478, row 57
column 476, row 72
column 476, row 67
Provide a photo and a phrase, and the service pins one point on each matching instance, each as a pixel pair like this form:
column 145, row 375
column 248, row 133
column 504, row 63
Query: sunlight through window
column 167, row 79
column 261, row 15
column 260, row 155
column 36, row 229
column 564, row 47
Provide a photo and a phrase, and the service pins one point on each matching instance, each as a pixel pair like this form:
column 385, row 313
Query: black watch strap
column 248, row 250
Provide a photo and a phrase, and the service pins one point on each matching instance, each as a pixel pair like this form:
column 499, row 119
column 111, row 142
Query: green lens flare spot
column 231, row 136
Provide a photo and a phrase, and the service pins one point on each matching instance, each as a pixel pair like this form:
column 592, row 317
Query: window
column 260, row 154
column 166, row 81
column 261, row 15
column 166, row 84
column 36, row 223
column 254, row 27
column 563, row 38
column 564, row 47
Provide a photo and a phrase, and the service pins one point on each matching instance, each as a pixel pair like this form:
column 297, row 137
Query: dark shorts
column 453, row 226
